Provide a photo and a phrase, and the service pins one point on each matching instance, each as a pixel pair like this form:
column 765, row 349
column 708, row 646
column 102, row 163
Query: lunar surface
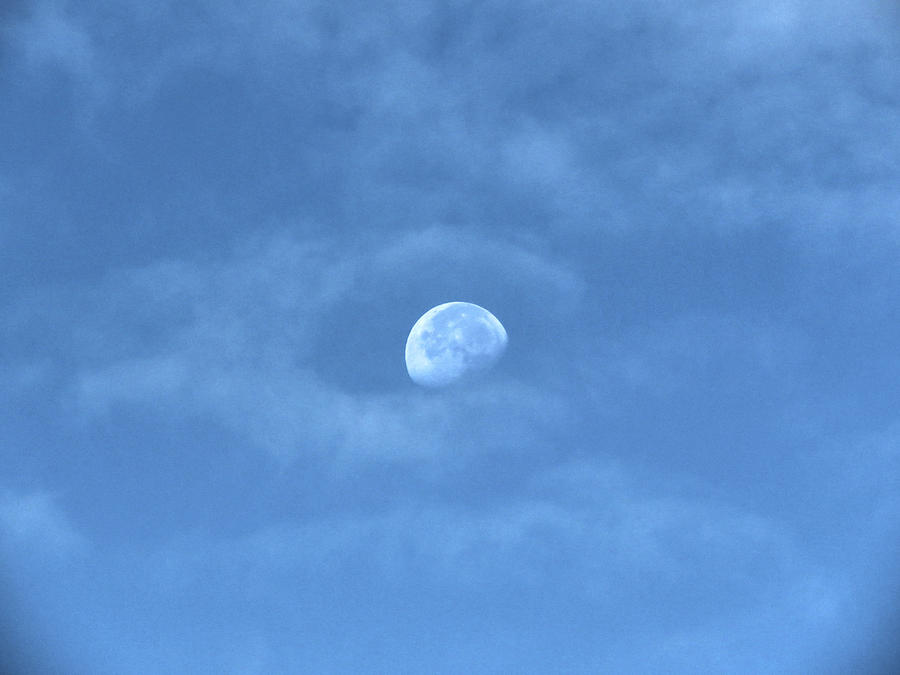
column 452, row 342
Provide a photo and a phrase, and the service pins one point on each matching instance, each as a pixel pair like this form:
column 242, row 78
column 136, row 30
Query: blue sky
column 219, row 221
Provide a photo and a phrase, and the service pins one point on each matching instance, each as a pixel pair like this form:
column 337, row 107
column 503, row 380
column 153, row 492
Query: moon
column 452, row 342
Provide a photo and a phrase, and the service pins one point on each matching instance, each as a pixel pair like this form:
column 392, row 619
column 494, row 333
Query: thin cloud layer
column 247, row 339
column 727, row 118
column 219, row 223
column 35, row 520
column 584, row 530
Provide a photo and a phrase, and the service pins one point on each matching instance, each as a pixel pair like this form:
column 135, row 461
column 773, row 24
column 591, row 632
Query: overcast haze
column 220, row 220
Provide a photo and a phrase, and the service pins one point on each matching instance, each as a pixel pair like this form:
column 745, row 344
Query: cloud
column 35, row 520
column 729, row 118
column 53, row 37
column 248, row 341
column 865, row 493
column 732, row 644
column 680, row 352
column 684, row 368
column 451, row 255
column 587, row 532
column 388, row 140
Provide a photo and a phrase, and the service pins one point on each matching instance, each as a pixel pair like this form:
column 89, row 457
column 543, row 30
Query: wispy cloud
column 685, row 213
column 866, row 494
column 801, row 612
column 51, row 38
column 246, row 341
column 587, row 532
column 35, row 520
column 728, row 119
column 689, row 349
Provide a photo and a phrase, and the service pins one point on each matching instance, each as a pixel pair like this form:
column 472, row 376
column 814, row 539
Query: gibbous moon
column 451, row 342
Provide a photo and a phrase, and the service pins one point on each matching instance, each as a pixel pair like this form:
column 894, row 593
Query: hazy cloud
column 221, row 220
column 52, row 36
column 36, row 520
column 586, row 528
column 246, row 339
